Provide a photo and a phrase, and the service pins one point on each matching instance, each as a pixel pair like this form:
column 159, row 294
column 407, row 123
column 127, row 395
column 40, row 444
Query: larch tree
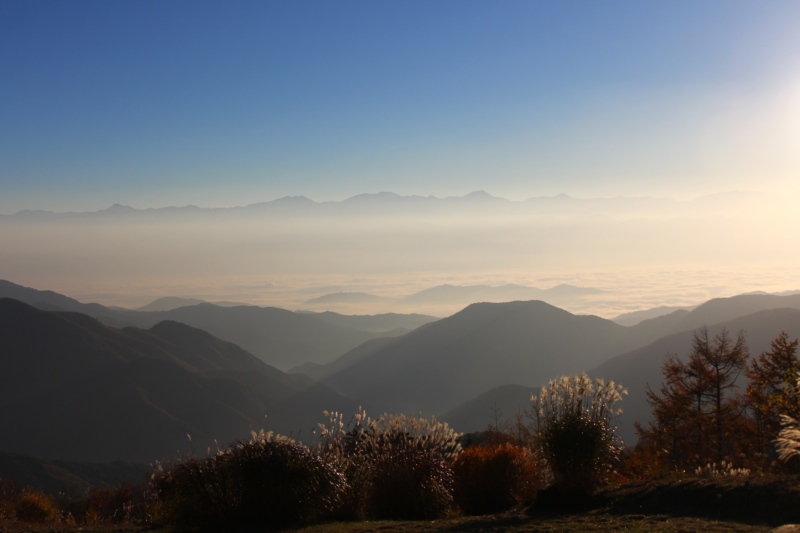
column 773, row 388
column 723, row 358
column 696, row 409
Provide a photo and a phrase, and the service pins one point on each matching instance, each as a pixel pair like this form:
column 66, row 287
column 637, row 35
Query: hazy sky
column 154, row 103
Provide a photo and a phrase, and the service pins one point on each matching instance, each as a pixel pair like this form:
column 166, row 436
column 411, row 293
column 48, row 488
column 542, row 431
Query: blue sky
column 154, row 103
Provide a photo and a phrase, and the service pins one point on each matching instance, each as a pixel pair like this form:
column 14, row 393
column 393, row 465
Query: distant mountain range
column 394, row 203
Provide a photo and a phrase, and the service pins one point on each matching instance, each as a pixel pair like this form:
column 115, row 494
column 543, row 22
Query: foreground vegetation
column 561, row 469
column 745, row 504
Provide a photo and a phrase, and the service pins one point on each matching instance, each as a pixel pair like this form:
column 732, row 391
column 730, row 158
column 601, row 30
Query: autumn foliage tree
column 773, row 389
column 696, row 410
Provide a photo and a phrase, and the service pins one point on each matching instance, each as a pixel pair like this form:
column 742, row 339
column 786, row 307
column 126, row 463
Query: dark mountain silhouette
column 320, row 372
column 635, row 369
column 432, row 369
column 443, row 364
column 498, row 406
column 70, row 477
column 72, row 388
column 279, row 337
column 53, row 301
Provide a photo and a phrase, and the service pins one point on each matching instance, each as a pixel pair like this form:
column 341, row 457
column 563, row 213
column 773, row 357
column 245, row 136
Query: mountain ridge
column 280, row 337
column 432, row 361
column 72, row 388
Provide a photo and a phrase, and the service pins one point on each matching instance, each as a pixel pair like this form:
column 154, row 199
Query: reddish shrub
column 35, row 507
column 490, row 479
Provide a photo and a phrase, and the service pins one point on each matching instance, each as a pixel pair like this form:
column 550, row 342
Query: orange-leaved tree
column 696, row 410
column 773, row 389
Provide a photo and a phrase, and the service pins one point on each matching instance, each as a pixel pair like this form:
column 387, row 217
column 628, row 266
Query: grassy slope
column 507, row 522
column 519, row 523
column 711, row 506
column 708, row 505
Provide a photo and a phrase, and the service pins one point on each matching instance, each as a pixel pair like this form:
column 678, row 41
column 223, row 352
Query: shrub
column 409, row 483
column 341, row 446
column 397, row 466
column 491, row 479
column 35, row 507
column 77, row 510
column 10, row 493
column 268, row 482
column 576, row 432
column 123, row 504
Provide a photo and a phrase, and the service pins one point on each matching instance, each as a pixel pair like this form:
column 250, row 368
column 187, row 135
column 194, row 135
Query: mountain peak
column 119, row 208
column 370, row 197
column 476, row 196
column 479, row 194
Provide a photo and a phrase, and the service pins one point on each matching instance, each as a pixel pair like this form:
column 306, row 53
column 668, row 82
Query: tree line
column 701, row 416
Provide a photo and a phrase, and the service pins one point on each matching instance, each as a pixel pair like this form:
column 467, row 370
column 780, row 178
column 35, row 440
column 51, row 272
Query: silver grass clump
column 412, row 432
column 365, row 435
column 594, row 399
column 724, row 469
column 397, row 466
column 788, row 442
column 575, row 430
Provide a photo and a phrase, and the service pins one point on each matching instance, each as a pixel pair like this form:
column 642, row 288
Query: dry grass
column 733, row 504
column 520, row 523
column 512, row 522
